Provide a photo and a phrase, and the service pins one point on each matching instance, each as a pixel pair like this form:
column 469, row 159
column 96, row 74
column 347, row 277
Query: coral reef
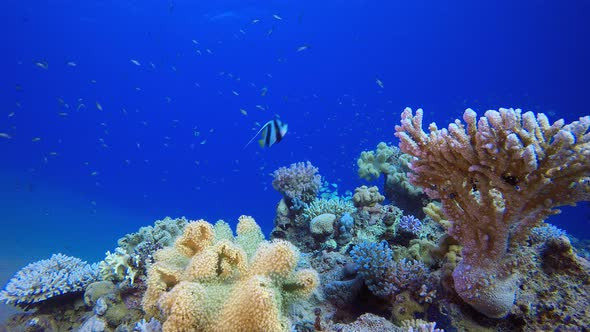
column 394, row 165
column 299, row 183
column 161, row 234
column 433, row 210
column 496, row 178
column 153, row 325
column 367, row 196
column 322, row 225
column 385, row 277
column 119, row 266
column 204, row 285
column 337, row 207
column 410, row 224
column 345, row 229
column 545, row 232
column 48, row 278
column 381, row 268
column 367, row 323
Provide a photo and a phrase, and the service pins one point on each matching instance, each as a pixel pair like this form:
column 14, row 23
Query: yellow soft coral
column 220, row 261
column 161, row 277
column 253, row 305
column 197, row 235
column 249, row 234
column 303, row 283
column 497, row 178
column 183, row 307
column 367, row 196
column 434, row 211
column 371, row 164
column 204, row 284
column 391, row 162
column 277, row 258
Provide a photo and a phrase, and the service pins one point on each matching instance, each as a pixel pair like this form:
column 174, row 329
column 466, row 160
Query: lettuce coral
column 44, row 279
column 497, row 178
column 211, row 283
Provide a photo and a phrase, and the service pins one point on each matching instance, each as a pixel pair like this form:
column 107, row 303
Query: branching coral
column 384, row 276
column 299, row 183
column 410, row 224
column 44, row 279
column 497, row 178
column 161, row 234
column 212, row 283
column 337, row 207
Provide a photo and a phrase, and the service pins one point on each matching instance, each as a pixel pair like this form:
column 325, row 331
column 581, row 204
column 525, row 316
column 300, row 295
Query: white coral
column 47, row 278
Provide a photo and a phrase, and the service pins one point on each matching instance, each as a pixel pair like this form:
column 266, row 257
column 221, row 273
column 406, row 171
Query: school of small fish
column 270, row 129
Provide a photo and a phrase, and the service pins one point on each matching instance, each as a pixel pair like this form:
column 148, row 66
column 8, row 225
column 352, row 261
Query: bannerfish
column 272, row 132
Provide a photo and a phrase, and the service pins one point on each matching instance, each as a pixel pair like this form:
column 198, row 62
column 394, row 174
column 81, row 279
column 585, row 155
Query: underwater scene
column 304, row 166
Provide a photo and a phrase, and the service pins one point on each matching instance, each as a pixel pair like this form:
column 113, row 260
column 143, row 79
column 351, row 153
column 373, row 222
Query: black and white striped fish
column 272, row 132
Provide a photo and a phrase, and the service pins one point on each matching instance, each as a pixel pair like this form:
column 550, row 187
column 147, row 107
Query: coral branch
column 497, row 178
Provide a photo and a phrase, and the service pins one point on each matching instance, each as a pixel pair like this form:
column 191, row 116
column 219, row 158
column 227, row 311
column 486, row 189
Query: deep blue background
column 442, row 56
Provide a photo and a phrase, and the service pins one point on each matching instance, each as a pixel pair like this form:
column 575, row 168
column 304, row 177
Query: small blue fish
column 272, row 132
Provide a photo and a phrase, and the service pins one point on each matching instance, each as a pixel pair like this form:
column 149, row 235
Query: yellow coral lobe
column 252, row 306
column 202, row 267
column 304, row 283
column 171, row 256
column 231, row 258
column 277, row 258
column 434, row 211
column 183, row 306
column 221, row 260
column 249, row 235
column 365, row 196
column 160, row 278
column 197, row 236
column 246, row 224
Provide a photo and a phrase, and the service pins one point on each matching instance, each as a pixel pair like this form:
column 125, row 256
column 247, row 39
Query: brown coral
column 496, row 179
column 367, row 196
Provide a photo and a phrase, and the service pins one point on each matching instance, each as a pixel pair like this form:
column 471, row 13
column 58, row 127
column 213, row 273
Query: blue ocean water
column 118, row 113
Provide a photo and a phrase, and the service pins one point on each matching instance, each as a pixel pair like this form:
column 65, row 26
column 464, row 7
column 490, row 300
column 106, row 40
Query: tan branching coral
column 496, row 177
column 206, row 283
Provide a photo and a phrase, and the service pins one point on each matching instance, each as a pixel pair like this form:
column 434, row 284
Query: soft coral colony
column 460, row 227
